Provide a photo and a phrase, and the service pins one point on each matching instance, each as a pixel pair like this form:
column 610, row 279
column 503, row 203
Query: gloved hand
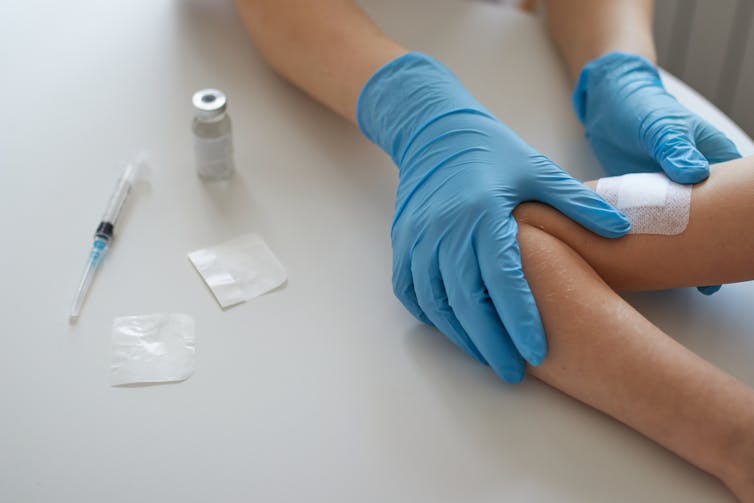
column 456, row 262
column 635, row 125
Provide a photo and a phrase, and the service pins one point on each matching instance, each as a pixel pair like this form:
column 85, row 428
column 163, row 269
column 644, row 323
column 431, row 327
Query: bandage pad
column 651, row 201
column 239, row 270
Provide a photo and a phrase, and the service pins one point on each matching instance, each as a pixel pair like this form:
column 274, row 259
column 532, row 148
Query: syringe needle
column 99, row 247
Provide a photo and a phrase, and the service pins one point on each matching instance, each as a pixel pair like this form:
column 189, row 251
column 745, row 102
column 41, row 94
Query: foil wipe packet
column 152, row 348
column 239, row 270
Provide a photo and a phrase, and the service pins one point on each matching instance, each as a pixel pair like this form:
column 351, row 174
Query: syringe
column 104, row 234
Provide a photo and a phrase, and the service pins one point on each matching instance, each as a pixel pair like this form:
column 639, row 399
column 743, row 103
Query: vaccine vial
column 213, row 144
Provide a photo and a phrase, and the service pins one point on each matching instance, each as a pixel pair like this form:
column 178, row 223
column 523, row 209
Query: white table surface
column 325, row 390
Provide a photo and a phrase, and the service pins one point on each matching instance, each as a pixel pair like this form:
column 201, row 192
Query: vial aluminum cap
column 209, row 103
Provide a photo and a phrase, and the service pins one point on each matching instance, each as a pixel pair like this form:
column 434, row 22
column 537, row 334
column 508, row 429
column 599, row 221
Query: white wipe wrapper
column 152, row 348
column 652, row 202
column 239, row 270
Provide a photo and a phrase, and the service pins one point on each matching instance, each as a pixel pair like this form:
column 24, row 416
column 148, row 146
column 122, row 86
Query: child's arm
column 716, row 247
column 604, row 353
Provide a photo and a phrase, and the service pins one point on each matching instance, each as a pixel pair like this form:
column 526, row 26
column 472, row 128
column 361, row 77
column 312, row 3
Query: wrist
column 736, row 468
column 607, row 70
column 406, row 95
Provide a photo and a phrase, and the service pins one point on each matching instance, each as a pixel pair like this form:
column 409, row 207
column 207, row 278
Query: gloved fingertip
column 690, row 175
column 615, row 225
column 621, row 227
column 536, row 349
column 684, row 164
column 625, row 226
column 535, row 358
column 584, row 206
column 513, row 376
column 602, row 219
column 715, row 145
column 709, row 289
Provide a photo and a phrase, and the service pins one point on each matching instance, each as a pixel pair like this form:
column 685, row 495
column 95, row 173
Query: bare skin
column 601, row 351
column 604, row 353
column 328, row 48
column 587, row 29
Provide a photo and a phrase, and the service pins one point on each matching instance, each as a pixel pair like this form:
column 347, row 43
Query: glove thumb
column 715, row 146
column 676, row 154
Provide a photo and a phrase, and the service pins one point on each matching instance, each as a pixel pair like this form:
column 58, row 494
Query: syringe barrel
column 119, row 196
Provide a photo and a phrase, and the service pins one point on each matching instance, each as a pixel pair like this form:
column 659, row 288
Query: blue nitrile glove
column 456, row 262
column 635, row 125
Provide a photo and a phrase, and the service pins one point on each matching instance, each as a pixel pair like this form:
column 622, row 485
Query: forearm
column 716, row 247
column 604, row 353
column 586, row 29
column 328, row 48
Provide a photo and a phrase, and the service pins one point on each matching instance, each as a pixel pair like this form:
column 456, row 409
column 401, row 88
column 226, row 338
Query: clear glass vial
column 213, row 143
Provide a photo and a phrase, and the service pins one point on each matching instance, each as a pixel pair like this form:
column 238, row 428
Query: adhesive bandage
column 651, row 201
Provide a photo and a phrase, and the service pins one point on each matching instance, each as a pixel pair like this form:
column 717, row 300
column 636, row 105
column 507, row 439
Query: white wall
column 709, row 44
